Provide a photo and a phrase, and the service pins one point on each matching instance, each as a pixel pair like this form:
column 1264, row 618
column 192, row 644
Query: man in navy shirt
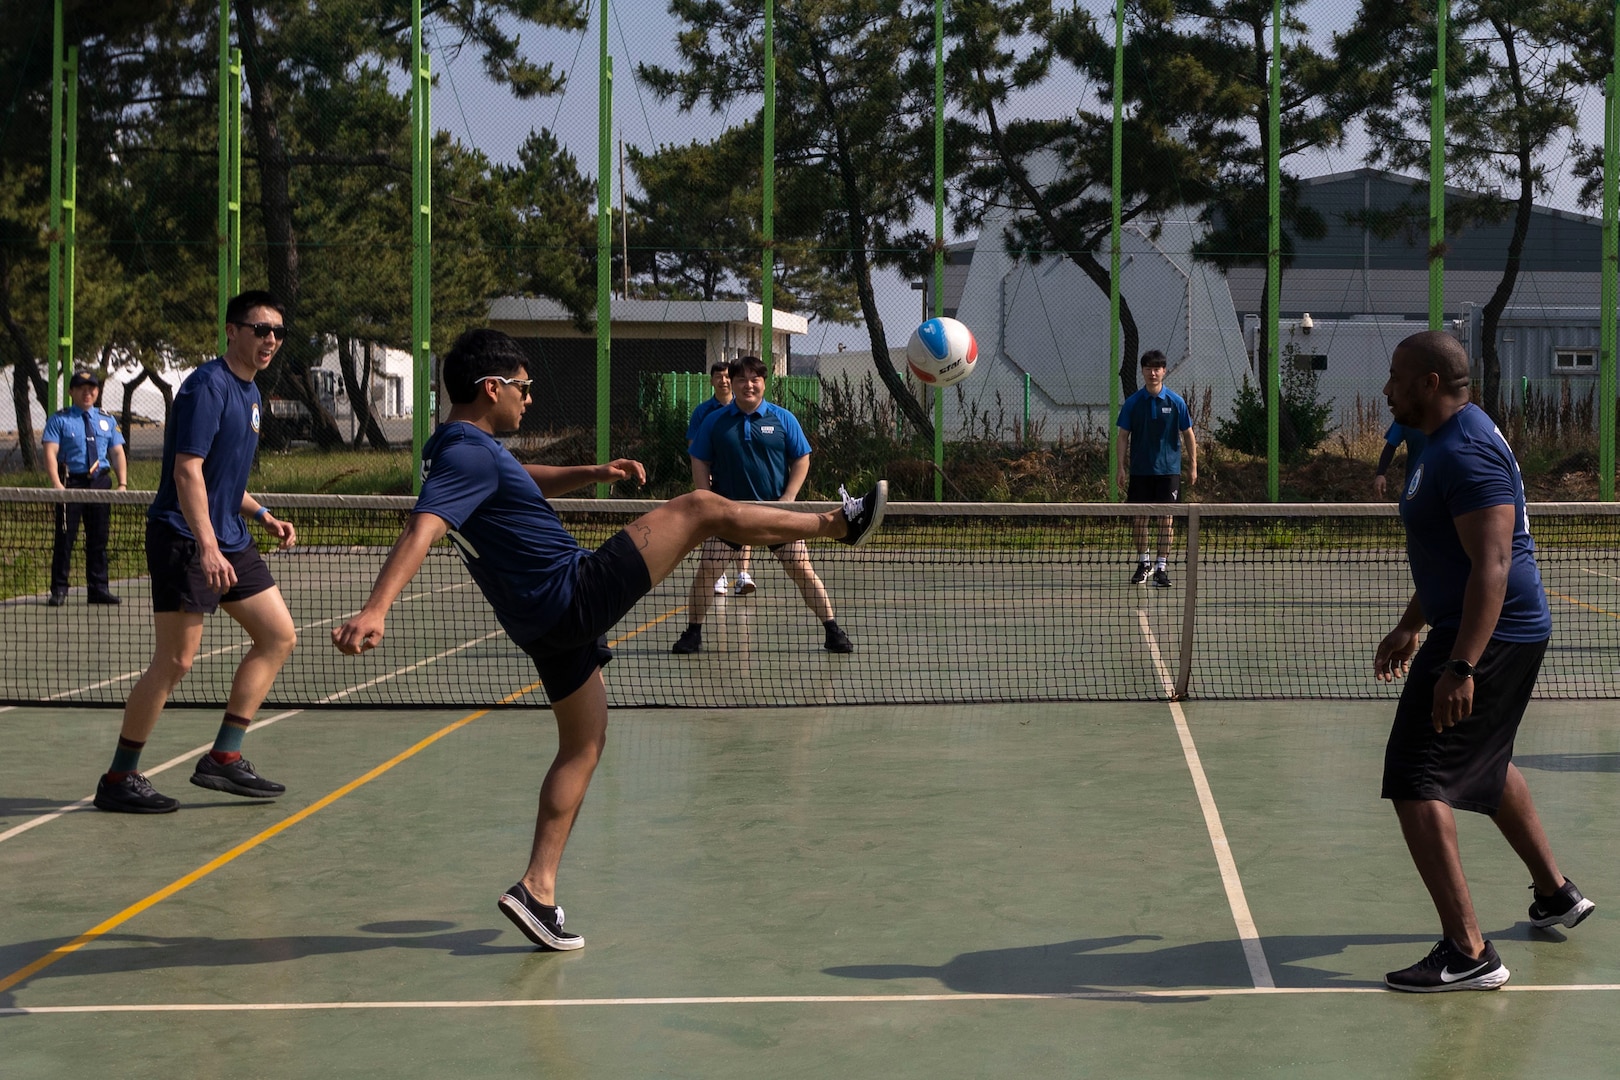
column 754, row 451
column 1154, row 424
column 720, row 380
column 83, row 449
column 555, row 599
column 1479, row 590
column 1398, row 433
column 201, row 556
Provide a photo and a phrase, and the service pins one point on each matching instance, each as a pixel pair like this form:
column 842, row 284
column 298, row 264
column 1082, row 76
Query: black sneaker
column 864, row 514
column 131, row 795
column 540, row 923
column 105, row 598
column 838, row 641
column 1161, row 578
column 236, row 777
column 57, row 598
column 1446, row 968
column 690, row 641
column 1566, row 906
column 1141, row 575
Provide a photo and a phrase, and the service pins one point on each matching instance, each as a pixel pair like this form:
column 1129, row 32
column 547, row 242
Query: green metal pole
column 1116, row 184
column 53, row 329
column 1437, row 172
column 1274, row 254
column 70, row 219
column 767, row 170
column 422, row 397
column 222, row 273
column 604, row 247
column 938, row 308
column 1611, row 270
column 234, row 260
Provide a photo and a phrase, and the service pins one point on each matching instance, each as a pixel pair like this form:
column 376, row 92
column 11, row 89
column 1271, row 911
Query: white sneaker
column 720, row 586
column 745, row 584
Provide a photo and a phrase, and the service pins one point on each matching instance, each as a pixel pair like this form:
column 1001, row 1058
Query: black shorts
column 607, row 585
column 739, row 547
column 178, row 583
column 1153, row 489
column 1465, row 765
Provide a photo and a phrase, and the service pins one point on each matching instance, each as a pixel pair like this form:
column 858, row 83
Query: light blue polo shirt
column 66, row 429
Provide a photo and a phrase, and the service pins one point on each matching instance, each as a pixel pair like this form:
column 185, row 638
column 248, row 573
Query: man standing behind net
column 555, row 599
column 753, row 451
column 1398, row 433
column 201, row 556
column 1154, row 425
column 720, row 380
column 83, row 448
column 1479, row 590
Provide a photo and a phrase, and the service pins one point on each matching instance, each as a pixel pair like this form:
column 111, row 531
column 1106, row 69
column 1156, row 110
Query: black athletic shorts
column 178, row 583
column 1466, row 764
column 1153, row 489
column 607, row 585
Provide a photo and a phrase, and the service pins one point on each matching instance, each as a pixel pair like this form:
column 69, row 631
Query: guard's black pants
column 97, row 526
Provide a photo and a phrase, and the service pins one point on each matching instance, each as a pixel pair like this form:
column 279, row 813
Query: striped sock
column 228, row 743
column 126, row 759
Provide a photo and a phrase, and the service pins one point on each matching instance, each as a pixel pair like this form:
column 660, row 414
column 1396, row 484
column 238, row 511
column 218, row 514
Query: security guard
column 83, row 449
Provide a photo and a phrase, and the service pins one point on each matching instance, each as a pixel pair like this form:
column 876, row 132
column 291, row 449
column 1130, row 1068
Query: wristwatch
column 1460, row 669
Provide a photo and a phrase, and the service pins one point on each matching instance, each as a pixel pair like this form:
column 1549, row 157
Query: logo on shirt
column 767, row 429
column 103, row 425
column 1165, row 410
column 1417, row 478
column 255, row 418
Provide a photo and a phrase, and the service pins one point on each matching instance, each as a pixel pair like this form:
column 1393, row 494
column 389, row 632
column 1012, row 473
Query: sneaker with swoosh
column 1449, row 968
column 1566, row 906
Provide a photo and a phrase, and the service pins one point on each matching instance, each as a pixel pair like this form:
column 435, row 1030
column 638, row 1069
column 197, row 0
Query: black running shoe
column 236, row 777
column 838, row 641
column 131, row 795
column 864, row 514
column 1161, row 578
column 540, row 923
column 1446, row 968
column 1142, row 572
column 57, row 598
column 1566, row 906
column 690, row 641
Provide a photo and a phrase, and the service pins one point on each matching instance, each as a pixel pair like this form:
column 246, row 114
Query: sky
column 482, row 115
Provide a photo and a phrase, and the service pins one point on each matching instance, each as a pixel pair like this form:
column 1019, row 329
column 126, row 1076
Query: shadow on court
column 1606, row 762
column 1087, row 964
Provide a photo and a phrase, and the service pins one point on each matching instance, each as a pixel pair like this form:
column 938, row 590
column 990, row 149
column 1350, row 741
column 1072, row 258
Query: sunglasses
column 521, row 384
column 264, row 329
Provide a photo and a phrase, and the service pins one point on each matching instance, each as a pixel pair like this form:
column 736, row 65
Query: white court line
column 786, row 999
column 1598, row 573
column 1253, row 951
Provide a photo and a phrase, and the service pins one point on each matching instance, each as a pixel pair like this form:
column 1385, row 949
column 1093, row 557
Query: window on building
column 1574, row 361
column 1310, row 361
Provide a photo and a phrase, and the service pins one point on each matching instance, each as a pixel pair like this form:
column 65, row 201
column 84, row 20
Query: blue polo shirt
column 700, row 414
column 66, row 429
column 1413, row 437
column 748, row 456
column 1155, row 422
column 1468, row 466
column 511, row 539
column 216, row 418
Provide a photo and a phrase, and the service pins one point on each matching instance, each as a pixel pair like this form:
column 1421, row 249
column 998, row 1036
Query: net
column 948, row 603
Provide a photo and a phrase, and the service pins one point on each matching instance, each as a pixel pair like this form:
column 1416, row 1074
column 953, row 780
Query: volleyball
column 942, row 352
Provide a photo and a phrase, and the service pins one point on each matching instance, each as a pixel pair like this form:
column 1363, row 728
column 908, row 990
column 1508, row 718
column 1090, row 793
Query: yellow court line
column 1584, row 604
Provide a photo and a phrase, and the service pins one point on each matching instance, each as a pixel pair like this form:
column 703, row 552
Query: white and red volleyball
column 942, row 352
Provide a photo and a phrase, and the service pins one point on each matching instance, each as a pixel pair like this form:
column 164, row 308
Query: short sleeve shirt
column 66, row 429
column 700, row 414
column 1155, row 422
column 1413, row 437
column 511, row 539
column 1468, row 466
column 748, row 456
column 216, row 418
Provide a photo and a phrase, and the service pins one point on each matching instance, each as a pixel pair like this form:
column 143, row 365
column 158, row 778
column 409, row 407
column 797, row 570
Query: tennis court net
column 949, row 603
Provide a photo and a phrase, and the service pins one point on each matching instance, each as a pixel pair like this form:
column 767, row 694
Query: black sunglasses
column 264, row 329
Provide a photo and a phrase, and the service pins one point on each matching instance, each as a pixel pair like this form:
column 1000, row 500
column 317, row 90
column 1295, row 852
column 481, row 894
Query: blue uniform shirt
column 1413, row 437
column 512, row 540
column 748, row 456
column 216, row 418
column 66, row 428
column 700, row 414
column 1468, row 466
column 1155, row 423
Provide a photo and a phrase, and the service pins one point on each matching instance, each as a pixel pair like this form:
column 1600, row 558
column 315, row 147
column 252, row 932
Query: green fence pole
column 70, row 219
column 53, row 328
column 604, row 247
column 1437, row 173
column 1116, row 183
column 1274, row 254
column 222, row 239
column 1611, row 271
column 422, row 397
column 767, row 280
column 938, row 308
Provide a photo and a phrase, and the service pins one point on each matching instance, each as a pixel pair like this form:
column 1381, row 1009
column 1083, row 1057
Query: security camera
column 1305, row 323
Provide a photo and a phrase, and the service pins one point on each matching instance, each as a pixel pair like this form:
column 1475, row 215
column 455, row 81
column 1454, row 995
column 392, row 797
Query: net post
column 1189, row 609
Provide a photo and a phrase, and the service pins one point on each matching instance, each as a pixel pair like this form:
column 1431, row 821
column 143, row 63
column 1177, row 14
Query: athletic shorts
column 178, row 582
column 607, row 584
column 1466, row 764
column 739, row 547
column 1153, row 489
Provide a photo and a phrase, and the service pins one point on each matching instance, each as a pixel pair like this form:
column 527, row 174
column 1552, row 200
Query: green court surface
column 1145, row 890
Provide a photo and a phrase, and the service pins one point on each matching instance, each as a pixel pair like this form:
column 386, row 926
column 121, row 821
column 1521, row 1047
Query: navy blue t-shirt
column 1468, row 466
column 216, row 418
column 1155, row 423
column 510, row 537
column 748, row 456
